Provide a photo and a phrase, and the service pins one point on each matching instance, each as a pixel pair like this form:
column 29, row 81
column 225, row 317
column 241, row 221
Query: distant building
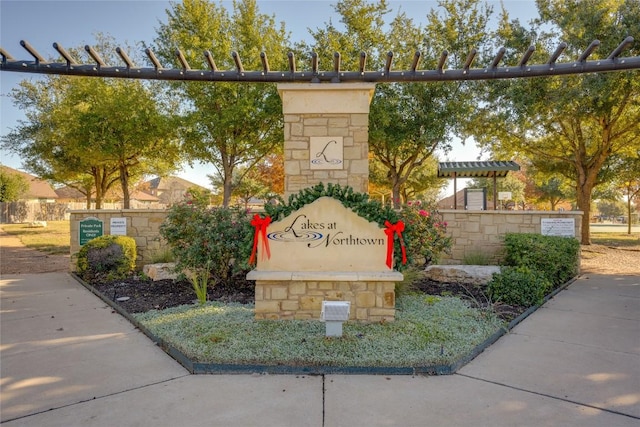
column 71, row 195
column 37, row 204
column 39, row 190
column 170, row 189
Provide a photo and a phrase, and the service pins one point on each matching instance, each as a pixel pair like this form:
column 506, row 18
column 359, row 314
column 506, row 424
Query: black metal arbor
column 582, row 65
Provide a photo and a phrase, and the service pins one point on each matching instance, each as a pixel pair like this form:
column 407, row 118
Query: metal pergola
column 480, row 169
column 581, row 65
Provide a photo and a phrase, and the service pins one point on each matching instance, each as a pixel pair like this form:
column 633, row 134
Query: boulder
column 161, row 271
column 465, row 274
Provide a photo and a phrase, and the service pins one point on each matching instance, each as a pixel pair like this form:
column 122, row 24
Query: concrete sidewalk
column 68, row 360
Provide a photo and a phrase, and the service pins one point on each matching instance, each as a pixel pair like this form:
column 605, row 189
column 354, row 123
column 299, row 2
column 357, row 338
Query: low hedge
column 557, row 258
column 534, row 265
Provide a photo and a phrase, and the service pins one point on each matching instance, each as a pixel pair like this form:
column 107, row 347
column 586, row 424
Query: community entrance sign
column 324, row 252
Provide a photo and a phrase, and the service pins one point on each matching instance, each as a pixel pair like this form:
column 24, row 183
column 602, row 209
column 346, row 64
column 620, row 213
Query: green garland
column 371, row 210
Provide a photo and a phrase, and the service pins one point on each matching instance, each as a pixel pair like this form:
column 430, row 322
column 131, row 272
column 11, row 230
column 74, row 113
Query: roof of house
column 69, row 193
column 171, row 183
column 481, row 169
column 38, row 188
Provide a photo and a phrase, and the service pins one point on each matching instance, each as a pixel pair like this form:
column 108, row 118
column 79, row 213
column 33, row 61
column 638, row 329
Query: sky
column 73, row 23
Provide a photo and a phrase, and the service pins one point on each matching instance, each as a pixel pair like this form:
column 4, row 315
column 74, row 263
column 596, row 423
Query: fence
column 34, row 210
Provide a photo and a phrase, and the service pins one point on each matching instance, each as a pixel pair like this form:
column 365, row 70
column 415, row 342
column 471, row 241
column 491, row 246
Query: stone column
column 326, row 132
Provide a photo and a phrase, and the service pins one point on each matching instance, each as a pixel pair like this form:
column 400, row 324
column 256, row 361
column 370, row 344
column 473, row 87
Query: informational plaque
column 558, row 227
column 89, row 228
column 118, row 226
column 475, row 199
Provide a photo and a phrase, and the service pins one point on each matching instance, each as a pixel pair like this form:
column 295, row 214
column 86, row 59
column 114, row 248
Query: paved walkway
column 66, row 359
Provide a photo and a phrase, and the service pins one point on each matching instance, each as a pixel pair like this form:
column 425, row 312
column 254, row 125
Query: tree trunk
column 98, row 178
column 629, row 211
column 124, row 183
column 227, row 188
column 395, row 192
column 583, row 193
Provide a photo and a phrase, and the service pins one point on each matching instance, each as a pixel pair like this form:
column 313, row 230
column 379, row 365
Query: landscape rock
column 161, row 271
column 466, row 274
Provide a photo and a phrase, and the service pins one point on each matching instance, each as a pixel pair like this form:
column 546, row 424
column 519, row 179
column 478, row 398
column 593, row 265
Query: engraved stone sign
column 325, row 236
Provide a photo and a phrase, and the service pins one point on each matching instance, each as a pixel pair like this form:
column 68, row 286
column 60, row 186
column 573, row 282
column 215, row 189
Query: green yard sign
column 90, row 228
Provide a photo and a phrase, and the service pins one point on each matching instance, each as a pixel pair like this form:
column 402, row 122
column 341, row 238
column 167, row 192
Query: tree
column 552, row 191
column 40, row 142
column 627, row 172
column 81, row 129
column 121, row 121
column 408, row 122
column 12, row 186
column 226, row 124
column 569, row 125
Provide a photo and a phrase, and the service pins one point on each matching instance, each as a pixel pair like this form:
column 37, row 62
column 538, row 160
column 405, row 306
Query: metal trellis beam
column 613, row 62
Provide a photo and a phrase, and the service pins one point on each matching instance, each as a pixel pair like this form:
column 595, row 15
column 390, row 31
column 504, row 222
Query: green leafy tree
column 571, row 125
column 92, row 133
column 627, row 182
column 408, row 122
column 12, row 186
column 122, row 124
column 553, row 191
column 42, row 145
column 610, row 209
column 225, row 124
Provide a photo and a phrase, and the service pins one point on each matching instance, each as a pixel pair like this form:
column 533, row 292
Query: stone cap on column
column 326, row 98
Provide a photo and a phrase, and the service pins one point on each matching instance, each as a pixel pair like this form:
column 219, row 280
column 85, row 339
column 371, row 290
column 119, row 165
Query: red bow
column 392, row 229
column 261, row 225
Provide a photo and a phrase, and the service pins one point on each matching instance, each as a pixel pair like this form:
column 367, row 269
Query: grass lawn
column 53, row 239
column 617, row 240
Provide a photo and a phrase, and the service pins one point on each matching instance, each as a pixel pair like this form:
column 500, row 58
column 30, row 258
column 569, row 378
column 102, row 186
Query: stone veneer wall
column 143, row 225
column 483, row 231
column 370, row 301
column 472, row 231
column 326, row 110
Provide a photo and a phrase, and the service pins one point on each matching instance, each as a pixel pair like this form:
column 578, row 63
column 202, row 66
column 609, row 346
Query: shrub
column 427, row 234
column 518, row 286
column 556, row 257
column 218, row 237
column 114, row 256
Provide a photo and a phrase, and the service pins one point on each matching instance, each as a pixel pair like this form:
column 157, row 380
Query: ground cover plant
column 428, row 330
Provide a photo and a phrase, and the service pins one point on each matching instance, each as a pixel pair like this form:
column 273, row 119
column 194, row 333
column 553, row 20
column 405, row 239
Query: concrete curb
column 216, row 368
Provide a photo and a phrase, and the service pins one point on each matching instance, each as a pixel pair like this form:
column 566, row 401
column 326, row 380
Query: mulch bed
column 138, row 295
